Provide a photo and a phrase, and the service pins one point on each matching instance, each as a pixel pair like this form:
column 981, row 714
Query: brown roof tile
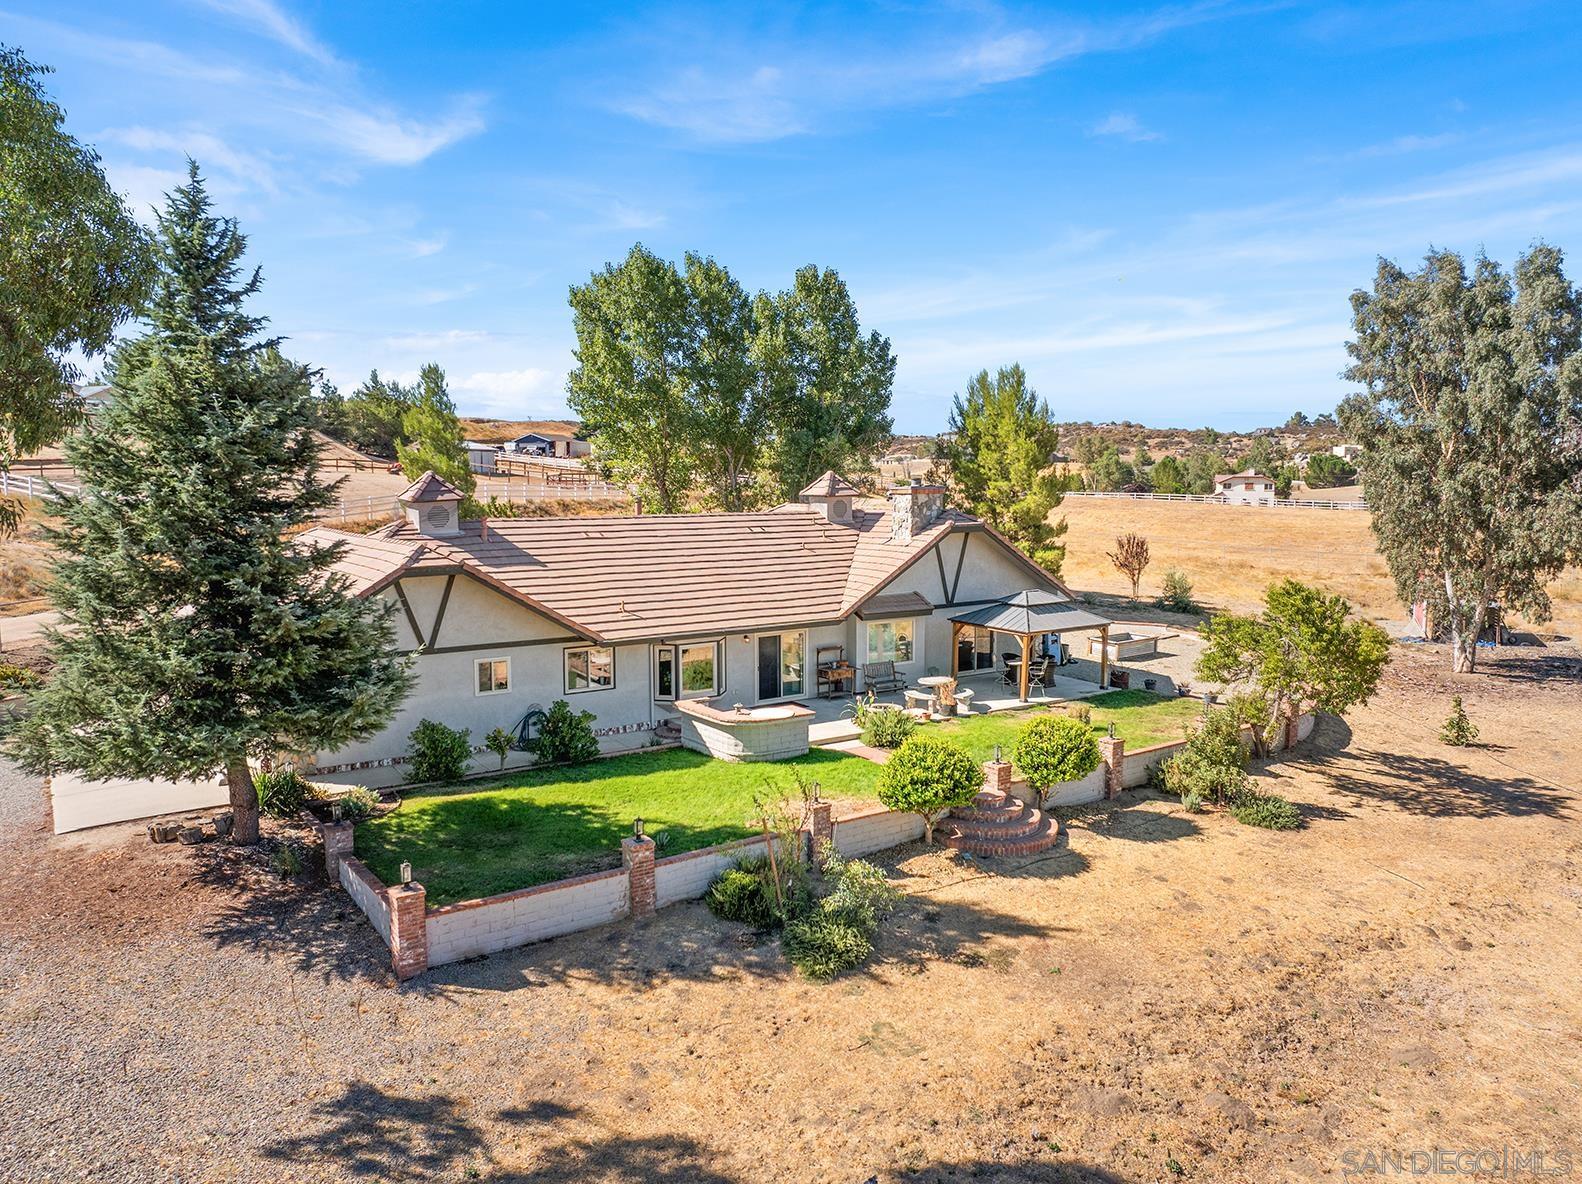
column 430, row 487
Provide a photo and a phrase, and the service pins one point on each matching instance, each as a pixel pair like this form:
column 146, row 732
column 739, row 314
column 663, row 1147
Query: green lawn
column 1141, row 718
column 528, row 828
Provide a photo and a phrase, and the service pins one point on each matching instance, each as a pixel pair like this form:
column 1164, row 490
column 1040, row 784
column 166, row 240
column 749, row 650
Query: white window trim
column 867, row 655
column 479, row 662
column 565, row 669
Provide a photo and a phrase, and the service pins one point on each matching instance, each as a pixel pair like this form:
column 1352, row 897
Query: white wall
column 688, row 876
column 865, row 833
column 1077, row 793
column 368, row 893
column 533, row 914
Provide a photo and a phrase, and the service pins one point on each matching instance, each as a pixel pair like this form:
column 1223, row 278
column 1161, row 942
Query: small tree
column 1212, row 766
column 1176, row 593
column 567, row 736
column 1166, row 476
column 928, row 776
column 1053, row 749
column 431, row 434
column 1301, row 652
column 1458, row 729
column 1130, row 558
column 499, row 743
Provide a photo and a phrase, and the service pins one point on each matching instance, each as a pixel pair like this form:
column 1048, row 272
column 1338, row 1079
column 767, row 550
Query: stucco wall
column 1076, row 793
column 516, row 918
column 369, row 894
column 1141, row 763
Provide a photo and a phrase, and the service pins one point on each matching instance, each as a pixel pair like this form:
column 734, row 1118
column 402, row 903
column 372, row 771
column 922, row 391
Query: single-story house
column 1246, row 488
column 549, row 444
column 627, row 616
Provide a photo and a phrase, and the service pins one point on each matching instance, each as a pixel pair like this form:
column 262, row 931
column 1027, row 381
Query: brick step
column 1045, row 837
column 1007, row 826
column 986, row 807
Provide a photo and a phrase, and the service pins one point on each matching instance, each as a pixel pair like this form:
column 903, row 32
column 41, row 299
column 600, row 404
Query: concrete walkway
column 26, row 629
column 79, row 803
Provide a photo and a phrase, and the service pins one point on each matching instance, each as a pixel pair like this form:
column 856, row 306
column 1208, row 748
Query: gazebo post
column 955, row 648
column 1027, row 653
column 1104, row 656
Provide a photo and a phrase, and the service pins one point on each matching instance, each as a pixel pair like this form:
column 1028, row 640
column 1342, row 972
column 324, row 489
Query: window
column 888, row 641
column 974, row 649
column 494, row 675
column 591, row 668
column 688, row 671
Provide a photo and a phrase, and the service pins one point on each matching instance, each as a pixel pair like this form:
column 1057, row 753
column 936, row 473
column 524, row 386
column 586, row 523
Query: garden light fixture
column 637, row 828
column 406, row 872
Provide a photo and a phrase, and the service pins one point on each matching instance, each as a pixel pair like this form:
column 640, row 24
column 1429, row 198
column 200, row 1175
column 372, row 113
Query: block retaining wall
column 488, row 925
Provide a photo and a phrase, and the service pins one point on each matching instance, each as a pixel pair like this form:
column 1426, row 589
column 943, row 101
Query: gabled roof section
column 365, row 560
column 430, row 487
column 829, row 484
column 1246, row 475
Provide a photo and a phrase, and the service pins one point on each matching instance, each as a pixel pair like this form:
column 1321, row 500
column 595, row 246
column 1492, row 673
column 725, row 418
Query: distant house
column 1245, row 489
column 549, row 444
column 1347, row 452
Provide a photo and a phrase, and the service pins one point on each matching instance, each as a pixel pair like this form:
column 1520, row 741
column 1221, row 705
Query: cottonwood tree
column 431, row 434
column 829, row 385
column 630, row 382
column 74, row 265
column 999, row 462
column 1303, row 651
column 728, row 398
column 194, row 634
column 1471, row 427
column 1130, row 558
column 1166, row 476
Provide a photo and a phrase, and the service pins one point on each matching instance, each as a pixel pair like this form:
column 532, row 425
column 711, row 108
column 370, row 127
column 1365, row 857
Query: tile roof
column 1248, row 474
column 665, row 575
column 429, row 488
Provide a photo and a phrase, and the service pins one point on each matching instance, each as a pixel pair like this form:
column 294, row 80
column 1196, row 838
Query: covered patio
column 1026, row 616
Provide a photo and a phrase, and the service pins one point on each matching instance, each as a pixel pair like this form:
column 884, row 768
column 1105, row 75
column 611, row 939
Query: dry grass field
column 1231, row 552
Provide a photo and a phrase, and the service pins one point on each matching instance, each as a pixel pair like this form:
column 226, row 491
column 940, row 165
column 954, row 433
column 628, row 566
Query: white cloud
column 425, row 341
column 278, row 25
column 208, row 149
column 422, row 248
column 382, row 136
column 1124, row 125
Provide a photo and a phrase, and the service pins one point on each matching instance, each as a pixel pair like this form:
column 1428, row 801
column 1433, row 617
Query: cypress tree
column 194, row 633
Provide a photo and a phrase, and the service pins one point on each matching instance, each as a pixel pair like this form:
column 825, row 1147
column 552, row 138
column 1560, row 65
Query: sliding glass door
column 782, row 665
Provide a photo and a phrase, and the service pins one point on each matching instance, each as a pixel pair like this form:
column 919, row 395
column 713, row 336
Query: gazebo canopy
column 1028, row 614
column 1031, row 613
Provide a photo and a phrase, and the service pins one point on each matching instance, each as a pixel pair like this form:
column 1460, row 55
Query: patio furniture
column 1041, row 675
column 881, row 676
column 1028, row 616
column 964, row 698
column 836, row 677
column 919, row 700
column 939, row 687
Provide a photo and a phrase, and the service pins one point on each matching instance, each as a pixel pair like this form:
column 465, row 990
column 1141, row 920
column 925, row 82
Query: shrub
column 287, row 861
column 1269, row 811
column 281, row 792
column 567, row 736
column 741, row 893
column 1458, row 729
column 1177, row 593
column 438, row 753
column 499, row 743
column 1080, row 712
column 1213, row 763
column 862, row 895
column 1053, row 748
column 887, row 729
column 1193, row 801
column 927, row 776
column 17, row 678
column 822, row 945
column 357, row 803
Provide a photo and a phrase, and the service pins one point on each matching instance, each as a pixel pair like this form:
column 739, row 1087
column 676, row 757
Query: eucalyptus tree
column 1470, row 421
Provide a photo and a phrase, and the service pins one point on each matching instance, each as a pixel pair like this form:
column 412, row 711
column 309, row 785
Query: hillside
column 498, row 431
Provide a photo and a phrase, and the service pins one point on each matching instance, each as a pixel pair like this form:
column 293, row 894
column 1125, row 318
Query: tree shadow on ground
column 1550, row 669
column 307, row 920
column 1142, row 826
column 1434, row 787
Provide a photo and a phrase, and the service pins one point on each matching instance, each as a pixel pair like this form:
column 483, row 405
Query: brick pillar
column 1113, row 750
column 997, row 776
column 637, row 857
column 337, row 844
column 408, row 929
column 821, row 830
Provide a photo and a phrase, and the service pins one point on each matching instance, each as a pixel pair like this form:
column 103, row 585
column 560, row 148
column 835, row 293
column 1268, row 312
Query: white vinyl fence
column 1216, row 500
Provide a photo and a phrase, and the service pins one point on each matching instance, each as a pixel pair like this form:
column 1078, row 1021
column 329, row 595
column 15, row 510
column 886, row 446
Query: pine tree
column 193, row 633
column 431, row 434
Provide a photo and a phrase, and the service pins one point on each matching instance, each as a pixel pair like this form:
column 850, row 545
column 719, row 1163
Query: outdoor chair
column 1040, row 675
column 881, row 677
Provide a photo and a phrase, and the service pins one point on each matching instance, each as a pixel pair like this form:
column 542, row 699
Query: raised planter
column 773, row 733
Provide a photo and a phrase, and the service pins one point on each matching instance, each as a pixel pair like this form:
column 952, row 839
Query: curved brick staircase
column 998, row 824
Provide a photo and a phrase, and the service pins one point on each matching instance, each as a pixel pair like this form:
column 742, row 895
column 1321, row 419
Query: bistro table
column 938, row 687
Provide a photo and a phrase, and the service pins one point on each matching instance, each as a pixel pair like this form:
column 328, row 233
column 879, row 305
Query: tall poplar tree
column 729, row 401
column 1471, row 428
column 999, row 462
column 194, row 634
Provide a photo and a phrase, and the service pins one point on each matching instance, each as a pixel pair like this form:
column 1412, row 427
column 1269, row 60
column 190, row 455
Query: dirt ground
column 1163, row 996
column 1230, row 553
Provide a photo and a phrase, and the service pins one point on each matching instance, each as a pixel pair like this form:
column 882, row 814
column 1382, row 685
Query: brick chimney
column 914, row 508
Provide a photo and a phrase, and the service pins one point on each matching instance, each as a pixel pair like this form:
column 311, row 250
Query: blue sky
column 1158, row 210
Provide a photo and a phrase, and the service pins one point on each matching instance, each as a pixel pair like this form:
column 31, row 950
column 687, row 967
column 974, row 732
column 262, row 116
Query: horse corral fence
column 1218, row 500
